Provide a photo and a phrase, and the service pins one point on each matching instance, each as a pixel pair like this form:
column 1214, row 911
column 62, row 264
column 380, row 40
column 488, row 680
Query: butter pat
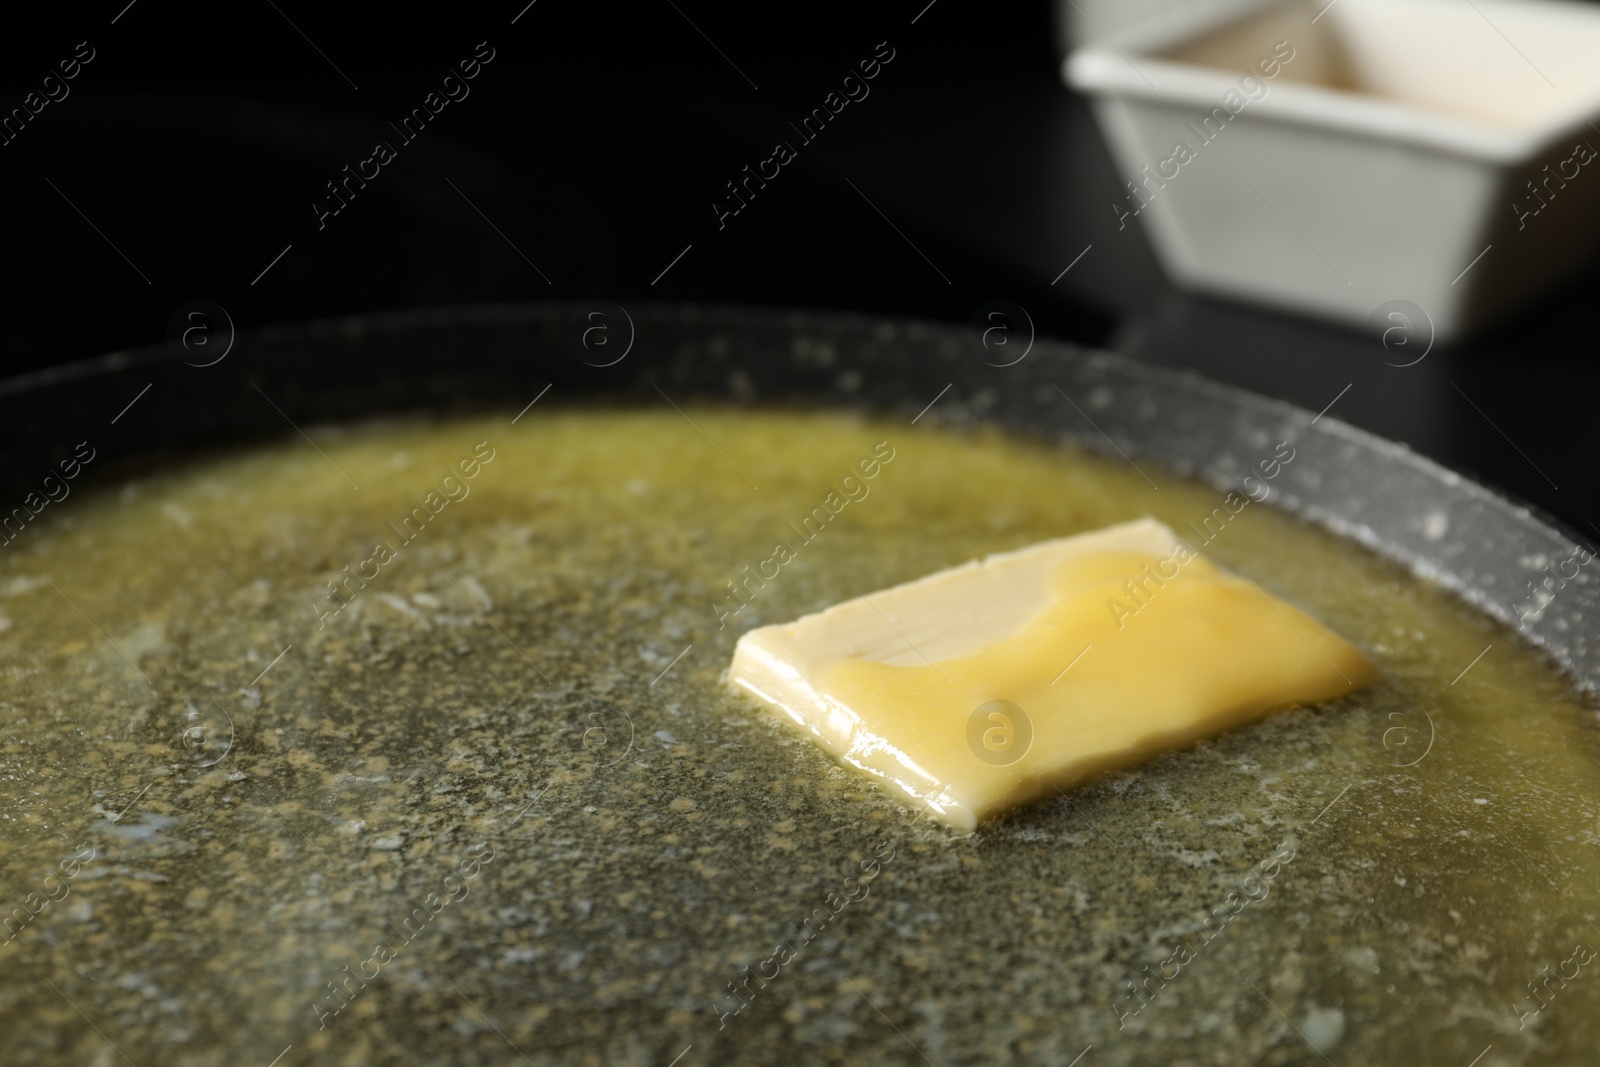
column 988, row 685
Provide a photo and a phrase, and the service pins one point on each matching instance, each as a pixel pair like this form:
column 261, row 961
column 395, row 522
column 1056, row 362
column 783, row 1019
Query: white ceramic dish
column 1340, row 157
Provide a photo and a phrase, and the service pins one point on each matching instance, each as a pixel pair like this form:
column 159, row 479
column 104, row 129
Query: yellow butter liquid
column 653, row 833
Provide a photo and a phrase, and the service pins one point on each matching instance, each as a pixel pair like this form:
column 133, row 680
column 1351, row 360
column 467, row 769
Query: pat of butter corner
column 1103, row 649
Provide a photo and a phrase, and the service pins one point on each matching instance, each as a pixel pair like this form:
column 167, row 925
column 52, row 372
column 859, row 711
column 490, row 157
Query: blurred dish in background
column 1331, row 158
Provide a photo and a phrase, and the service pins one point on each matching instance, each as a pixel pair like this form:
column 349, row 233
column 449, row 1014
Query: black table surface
column 589, row 155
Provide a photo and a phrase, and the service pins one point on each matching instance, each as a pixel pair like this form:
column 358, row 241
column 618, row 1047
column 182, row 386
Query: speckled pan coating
column 650, row 836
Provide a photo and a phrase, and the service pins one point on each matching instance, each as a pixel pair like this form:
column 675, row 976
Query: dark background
column 591, row 149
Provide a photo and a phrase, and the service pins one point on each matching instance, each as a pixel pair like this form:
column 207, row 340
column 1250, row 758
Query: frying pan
column 645, row 990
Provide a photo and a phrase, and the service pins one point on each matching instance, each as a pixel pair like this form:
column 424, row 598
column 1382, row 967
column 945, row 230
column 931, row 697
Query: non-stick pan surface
column 1441, row 524
column 619, row 954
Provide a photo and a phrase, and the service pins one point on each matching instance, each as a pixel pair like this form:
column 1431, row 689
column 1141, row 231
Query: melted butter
column 1408, row 905
column 1123, row 664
